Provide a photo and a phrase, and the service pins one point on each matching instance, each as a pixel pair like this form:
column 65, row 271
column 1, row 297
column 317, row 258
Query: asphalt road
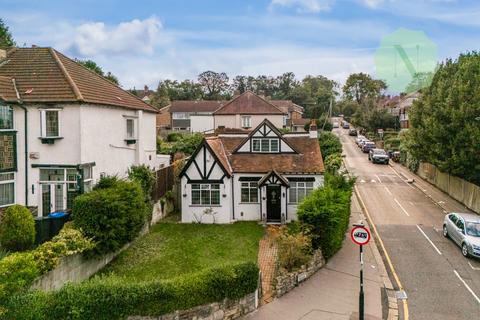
column 439, row 282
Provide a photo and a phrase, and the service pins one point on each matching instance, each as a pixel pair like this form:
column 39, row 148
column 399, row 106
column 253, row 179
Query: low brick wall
column 286, row 281
column 225, row 310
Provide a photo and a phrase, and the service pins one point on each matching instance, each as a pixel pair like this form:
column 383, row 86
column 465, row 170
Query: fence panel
column 164, row 181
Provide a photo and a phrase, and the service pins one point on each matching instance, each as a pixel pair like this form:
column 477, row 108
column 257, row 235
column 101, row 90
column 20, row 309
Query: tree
column 214, row 85
column 360, row 87
column 170, row 90
column 6, row 39
column 445, row 129
column 92, row 65
column 419, row 81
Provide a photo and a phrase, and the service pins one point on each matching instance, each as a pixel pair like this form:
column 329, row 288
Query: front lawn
column 172, row 249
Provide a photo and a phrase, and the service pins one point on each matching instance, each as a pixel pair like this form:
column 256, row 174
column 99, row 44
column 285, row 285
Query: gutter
column 25, row 122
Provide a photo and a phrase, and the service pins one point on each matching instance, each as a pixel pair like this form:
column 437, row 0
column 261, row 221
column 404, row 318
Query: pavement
column 438, row 281
column 332, row 293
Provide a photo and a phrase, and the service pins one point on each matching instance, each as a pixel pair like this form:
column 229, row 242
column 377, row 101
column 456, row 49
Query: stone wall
column 286, row 281
column 225, row 310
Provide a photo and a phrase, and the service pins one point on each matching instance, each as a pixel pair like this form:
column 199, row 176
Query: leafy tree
column 213, row 84
column 170, row 90
column 361, row 87
column 445, row 129
column 347, row 107
column 329, row 144
column 92, row 65
column 6, row 39
column 419, row 81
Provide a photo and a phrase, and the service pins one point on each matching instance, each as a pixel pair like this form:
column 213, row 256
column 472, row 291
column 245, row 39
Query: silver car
column 464, row 229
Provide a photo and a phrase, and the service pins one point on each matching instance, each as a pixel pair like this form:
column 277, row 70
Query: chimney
column 313, row 129
column 3, row 54
column 145, row 88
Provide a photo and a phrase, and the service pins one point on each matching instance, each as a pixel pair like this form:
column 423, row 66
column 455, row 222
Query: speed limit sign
column 360, row 235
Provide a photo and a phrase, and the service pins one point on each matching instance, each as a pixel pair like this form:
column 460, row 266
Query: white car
column 464, row 229
column 336, row 125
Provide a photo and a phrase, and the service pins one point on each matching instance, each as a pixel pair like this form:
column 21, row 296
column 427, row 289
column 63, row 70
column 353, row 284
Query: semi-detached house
column 62, row 127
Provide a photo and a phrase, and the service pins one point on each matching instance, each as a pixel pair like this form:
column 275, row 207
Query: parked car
column 359, row 138
column 335, row 124
column 352, row 132
column 346, row 125
column 362, row 142
column 378, row 156
column 367, row 146
column 464, row 230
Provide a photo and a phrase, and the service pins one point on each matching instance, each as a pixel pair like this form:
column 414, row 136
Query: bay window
column 205, row 194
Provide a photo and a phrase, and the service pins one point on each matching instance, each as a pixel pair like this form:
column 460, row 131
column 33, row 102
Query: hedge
column 17, row 228
column 114, row 298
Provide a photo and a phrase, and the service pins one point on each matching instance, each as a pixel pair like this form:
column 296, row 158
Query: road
column 439, row 282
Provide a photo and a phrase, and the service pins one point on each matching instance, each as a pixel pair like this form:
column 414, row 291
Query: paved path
column 440, row 283
column 332, row 293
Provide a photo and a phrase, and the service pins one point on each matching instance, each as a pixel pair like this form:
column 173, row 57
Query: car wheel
column 465, row 250
column 387, row 163
column 445, row 232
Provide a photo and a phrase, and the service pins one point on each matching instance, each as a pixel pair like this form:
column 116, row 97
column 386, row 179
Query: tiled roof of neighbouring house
column 195, row 105
column 249, row 103
column 44, row 75
column 7, row 90
column 287, row 105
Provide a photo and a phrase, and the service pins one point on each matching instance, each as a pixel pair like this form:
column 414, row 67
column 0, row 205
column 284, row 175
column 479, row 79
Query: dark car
column 378, row 156
column 367, row 146
column 352, row 132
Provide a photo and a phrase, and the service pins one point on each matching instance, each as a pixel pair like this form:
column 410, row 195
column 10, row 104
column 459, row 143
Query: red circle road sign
column 360, row 235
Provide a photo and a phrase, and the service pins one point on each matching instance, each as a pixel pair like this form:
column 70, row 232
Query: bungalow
column 62, row 127
column 261, row 175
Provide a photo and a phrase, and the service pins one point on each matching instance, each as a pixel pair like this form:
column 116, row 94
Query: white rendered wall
column 201, row 123
column 235, row 121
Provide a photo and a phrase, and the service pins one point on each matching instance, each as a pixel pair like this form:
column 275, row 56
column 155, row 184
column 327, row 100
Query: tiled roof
column 299, row 121
column 195, row 105
column 308, row 160
column 287, row 106
column 46, row 75
column 249, row 103
column 7, row 89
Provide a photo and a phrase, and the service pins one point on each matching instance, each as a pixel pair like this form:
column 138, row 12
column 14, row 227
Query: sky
column 144, row 42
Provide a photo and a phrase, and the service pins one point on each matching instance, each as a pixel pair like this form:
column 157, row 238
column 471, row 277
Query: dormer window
column 265, row 145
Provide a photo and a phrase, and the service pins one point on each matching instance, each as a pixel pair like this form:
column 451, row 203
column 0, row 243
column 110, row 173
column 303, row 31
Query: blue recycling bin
column 57, row 220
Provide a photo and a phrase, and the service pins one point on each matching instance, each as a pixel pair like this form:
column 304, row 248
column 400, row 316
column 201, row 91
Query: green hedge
column 329, row 144
column 113, row 298
column 17, row 272
column 17, row 228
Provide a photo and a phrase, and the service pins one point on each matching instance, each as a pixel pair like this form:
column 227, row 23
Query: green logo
column 406, row 60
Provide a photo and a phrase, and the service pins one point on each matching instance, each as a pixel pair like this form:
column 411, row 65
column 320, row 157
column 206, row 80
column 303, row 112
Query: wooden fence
column 164, row 182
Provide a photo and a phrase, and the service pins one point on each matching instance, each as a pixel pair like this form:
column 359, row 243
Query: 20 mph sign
column 360, row 235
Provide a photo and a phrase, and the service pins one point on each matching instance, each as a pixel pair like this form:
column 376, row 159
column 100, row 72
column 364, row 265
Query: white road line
column 403, row 209
column 466, row 286
column 408, row 184
column 388, row 190
column 378, row 178
column 473, row 268
column 428, row 239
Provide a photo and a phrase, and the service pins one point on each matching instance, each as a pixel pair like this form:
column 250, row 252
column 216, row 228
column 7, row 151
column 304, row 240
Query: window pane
column 6, row 176
column 254, row 194
column 274, row 145
column 51, row 123
column 215, row 187
column 196, row 186
column 256, row 145
column 215, row 197
column 292, row 193
column 52, row 175
column 130, row 128
column 6, row 118
column 265, row 145
column 205, row 196
column 195, row 196
column 301, row 194
column 244, row 195
column 7, row 191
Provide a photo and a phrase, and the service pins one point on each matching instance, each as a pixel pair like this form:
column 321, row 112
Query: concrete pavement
column 332, row 293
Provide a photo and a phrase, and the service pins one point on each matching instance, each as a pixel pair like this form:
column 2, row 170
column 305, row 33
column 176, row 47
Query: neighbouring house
column 257, row 175
column 298, row 124
column 294, row 115
column 404, row 105
column 146, row 94
column 164, row 119
column 62, row 127
column 193, row 115
column 390, row 103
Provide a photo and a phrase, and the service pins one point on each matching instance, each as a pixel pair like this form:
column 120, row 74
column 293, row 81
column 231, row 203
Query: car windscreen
column 380, row 152
column 473, row 229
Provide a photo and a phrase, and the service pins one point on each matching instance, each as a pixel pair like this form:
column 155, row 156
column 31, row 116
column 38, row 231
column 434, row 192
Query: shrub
column 294, row 249
column 327, row 210
column 329, row 144
column 106, row 182
column 113, row 298
column 333, row 163
column 144, row 176
column 17, row 271
column 111, row 216
column 17, row 228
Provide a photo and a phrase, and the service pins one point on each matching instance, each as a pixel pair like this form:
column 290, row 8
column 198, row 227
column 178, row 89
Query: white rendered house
column 62, row 127
column 261, row 175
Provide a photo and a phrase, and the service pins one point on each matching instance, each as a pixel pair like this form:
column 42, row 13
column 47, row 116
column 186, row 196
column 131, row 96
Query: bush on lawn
column 144, row 176
column 112, row 217
column 17, row 271
column 114, row 298
column 329, row 144
column 326, row 211
column 17, row 228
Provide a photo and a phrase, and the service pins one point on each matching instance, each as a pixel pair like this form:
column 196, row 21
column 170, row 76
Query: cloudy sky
column 143, row 41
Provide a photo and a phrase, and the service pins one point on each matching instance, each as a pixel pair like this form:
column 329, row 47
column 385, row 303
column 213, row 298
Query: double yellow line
column 389, row 261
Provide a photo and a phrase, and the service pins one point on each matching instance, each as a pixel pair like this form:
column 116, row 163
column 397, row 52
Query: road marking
column 374, row 181
column 378, row 178
column 387, row 257
column 396, row 173
column 466, row 286
column 403, row 209
column 362, row 181
column 388, row 190
column 474, row 268
column 428, row 239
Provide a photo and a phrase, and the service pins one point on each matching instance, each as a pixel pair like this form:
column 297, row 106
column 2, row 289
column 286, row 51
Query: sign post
column 361, row 236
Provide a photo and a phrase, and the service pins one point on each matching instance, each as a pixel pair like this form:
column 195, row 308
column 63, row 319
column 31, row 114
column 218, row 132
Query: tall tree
column 92, row 65
column 214, row 84
column 6, row 38
column 362, row 87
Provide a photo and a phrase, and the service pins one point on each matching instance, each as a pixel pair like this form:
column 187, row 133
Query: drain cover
column 401, row 295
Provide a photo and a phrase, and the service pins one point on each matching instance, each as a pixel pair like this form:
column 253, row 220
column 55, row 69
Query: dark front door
column 273, row 204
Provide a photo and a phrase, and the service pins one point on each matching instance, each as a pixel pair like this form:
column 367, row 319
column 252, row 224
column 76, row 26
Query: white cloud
column 95, row 38
column 303, row 5
column 372, row 3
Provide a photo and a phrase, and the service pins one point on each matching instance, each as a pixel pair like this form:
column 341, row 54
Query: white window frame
column 10, row 181
column 43, row 122
column 13, row 118
column 246, row 121
column 206, row 187
column 295, row 186
column 260, row 144
column 51, row 183
column 180, row 115
column 134, row 123
column 248, row 185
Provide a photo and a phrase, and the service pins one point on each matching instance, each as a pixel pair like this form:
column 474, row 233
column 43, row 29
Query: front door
column 273, row 204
